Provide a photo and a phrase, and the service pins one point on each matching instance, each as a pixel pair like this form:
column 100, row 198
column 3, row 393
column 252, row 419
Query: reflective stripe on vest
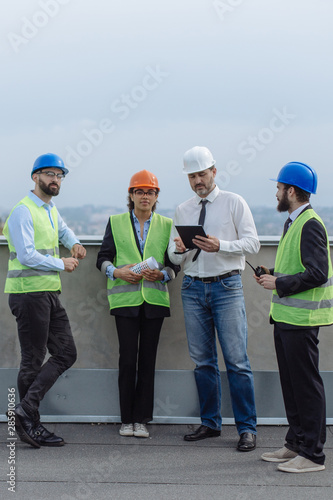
column 156, row 285
column 302, row 304
column 29, row 272
column 312, row 307
column 123, row 294
column 24, row 279
column 43, row 251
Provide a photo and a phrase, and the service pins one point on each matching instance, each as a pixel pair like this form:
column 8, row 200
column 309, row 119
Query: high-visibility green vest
column 124, row 294
column 309, row 308
column 23, row 279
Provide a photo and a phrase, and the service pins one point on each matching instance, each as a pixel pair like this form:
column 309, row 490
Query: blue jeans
column 219, row 306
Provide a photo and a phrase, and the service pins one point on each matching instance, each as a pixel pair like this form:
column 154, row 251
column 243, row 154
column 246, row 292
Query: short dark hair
column 301, row 195
column 130, row 203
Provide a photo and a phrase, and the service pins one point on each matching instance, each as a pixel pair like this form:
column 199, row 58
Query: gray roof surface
column 97, row 463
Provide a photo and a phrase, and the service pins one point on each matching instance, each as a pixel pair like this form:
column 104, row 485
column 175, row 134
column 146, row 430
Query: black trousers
column 42, row 325
column 303, row 390
column 138, row 341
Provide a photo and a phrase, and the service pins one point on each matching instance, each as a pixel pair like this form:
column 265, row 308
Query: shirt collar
column 211, row 197
column 135, row 219
column 296, row 212
column 40, row 203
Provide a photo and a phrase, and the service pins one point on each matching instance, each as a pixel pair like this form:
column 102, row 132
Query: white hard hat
column 197, row 159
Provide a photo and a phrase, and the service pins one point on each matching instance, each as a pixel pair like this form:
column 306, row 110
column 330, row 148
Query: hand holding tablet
column 188, row 233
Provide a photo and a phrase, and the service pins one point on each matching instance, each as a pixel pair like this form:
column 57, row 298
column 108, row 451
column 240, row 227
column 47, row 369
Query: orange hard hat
column 143, row 179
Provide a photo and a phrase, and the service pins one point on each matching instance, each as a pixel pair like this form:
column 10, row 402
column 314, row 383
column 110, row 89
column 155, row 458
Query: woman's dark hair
column 130, row 203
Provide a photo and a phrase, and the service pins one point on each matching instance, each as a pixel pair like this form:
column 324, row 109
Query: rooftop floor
column 97, row 463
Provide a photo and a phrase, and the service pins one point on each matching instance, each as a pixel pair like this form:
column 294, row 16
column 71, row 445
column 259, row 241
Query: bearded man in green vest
column 302, row 301
column 138, row 298
column 33, row 231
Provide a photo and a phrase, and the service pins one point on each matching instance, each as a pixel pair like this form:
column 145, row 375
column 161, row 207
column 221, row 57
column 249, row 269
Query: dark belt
column 212, row 279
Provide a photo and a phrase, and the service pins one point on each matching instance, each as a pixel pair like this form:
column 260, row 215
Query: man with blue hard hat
column 302, row 301
column 33, row 231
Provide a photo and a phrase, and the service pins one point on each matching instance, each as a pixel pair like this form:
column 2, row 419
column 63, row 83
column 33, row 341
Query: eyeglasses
column 141, row 192
column 50, row 174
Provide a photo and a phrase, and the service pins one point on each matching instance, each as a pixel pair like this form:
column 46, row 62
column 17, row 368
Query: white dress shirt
column 229, row 219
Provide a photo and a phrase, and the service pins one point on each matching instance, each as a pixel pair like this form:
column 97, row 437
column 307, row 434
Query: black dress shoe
column 202, row 432
column 247, row 442
column 45, row 437
column 25, row 426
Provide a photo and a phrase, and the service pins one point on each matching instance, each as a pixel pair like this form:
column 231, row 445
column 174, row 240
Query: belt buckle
column 212, row 279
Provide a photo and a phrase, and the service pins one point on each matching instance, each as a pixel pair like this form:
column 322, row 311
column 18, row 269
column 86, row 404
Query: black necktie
column 286, row 226
column 201, row 221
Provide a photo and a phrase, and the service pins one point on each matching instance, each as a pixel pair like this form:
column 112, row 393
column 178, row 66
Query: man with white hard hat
column 213, row 298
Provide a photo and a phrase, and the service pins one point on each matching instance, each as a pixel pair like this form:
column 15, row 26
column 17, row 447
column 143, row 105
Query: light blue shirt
column 21, row 234
column 293, row 216
column 110, row 269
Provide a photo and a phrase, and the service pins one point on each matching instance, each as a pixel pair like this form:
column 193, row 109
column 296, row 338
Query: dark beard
column 48, row 190
column 284, row 203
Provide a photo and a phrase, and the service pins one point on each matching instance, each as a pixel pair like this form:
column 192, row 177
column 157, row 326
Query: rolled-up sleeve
column 65, row 234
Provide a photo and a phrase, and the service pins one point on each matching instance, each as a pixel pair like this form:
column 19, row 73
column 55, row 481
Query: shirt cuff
column 70, row 243
column 229, row 247
column 224, row 247
column 109, row 272
column 62, row 264
column 166, row 276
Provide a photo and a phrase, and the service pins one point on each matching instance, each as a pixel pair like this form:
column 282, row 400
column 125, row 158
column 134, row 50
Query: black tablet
column 187, row 233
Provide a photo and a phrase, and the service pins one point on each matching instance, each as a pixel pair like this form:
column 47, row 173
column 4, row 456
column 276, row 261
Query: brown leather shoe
column 202, row 432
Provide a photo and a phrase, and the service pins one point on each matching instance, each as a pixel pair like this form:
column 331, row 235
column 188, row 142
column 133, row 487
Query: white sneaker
column 282, row 455
column 300, row 464
column 140, row 430
column 126, row 430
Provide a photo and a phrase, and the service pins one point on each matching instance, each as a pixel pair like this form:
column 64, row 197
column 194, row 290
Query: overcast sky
column 115, row 87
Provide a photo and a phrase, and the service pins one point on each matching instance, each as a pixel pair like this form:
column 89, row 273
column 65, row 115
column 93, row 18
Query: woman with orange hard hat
column 134, row 258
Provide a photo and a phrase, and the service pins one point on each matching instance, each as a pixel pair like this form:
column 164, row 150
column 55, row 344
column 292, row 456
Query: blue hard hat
column 49, row 160
column 300, row 175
